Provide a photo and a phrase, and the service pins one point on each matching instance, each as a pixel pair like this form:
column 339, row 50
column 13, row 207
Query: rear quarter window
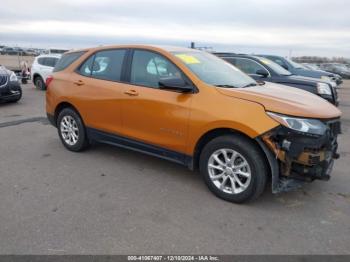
column 66, row 60
column 41, row 61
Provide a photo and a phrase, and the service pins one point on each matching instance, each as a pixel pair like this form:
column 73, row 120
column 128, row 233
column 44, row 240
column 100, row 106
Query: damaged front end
column 297, row 157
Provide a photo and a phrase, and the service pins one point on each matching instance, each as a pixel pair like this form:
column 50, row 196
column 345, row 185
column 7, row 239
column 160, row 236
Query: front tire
column 233, row 168
column 71, row 130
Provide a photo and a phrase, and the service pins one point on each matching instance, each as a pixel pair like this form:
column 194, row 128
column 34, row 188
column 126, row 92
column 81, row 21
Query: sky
column 289, row 27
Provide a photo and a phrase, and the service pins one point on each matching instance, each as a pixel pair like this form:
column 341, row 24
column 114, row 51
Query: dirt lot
column 109, row 200
column 12, row 62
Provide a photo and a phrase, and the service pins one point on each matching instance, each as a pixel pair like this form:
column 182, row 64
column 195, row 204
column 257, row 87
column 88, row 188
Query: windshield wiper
column 249, row 85
column 229, row 86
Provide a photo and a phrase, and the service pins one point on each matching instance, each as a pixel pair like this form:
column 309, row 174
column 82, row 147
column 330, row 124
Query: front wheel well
column 216, row 133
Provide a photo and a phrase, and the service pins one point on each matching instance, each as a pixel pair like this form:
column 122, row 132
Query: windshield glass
column 274, row 66
column 295, row 65
column 342, row 66
column 312, row 66
column 213, row 70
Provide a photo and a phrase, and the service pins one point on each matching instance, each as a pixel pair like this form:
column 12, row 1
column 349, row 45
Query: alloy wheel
column 69, row 130
column 229, row 171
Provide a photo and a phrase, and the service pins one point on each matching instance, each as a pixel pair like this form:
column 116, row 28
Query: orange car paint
column 176, row 121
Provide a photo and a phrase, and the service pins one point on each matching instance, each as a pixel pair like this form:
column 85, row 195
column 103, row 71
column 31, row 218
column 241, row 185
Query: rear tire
column 233, row 168
column 71, row 130
column 39, row 83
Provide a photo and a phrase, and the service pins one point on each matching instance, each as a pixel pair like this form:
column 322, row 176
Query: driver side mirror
column 174, row 83
column 262, row 72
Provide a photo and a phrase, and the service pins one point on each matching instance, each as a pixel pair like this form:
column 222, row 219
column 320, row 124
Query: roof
column 50, row 55
column 154, row 47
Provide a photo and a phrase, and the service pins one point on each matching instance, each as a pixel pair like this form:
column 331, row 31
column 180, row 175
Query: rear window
column 67, row 60
column 48, row 61
column 41, row 61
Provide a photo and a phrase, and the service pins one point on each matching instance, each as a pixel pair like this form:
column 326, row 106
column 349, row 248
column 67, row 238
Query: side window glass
column 51, row 61
column 107, row 65
column 148, row 68
column 280, row 62
column 86, row 68
column 55, row 60
column 232, row 61
column 66, row 60
column 41, row 61
column 248, row 66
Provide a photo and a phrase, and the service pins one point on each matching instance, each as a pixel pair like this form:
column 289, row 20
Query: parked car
column 298, row 69
column 261, row 68
column 311, row 66
column 195, row 109
column 10, row 89
column 9, row 51
column 337, row 68
column 42, row 67
column 31, row 52
column 338, row 78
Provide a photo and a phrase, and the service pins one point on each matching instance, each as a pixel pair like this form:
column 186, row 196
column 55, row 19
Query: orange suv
column 195, row 109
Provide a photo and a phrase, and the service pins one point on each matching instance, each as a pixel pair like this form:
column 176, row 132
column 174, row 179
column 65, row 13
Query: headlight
column 13, row 77
column 333, row 84
column 311, row 126
column 323, row 89
column 327, row 78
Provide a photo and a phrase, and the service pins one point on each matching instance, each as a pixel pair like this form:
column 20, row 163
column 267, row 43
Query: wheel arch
column 63, row 105
column 211, row 134
column 36, row 74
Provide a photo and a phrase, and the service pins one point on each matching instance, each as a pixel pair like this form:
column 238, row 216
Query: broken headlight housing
column 303, row 125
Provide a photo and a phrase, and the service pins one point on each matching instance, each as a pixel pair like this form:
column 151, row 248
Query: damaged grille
column 334, row 128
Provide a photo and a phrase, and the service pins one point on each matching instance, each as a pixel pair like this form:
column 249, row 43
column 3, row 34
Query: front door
column 152, row 115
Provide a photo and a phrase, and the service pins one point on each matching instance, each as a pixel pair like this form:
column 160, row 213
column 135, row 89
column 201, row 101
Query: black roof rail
column 224, row 53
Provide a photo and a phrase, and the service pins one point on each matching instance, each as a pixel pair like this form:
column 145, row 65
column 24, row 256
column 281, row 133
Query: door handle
column 79, row 82
column 131, row 92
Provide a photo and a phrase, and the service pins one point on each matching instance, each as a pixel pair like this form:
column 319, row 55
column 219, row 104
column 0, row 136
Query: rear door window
column 66, row 60
column 106, row 64
column 86, row 68
column 248, row 66
column 278, row 61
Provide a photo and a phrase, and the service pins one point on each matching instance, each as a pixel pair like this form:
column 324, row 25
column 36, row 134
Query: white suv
column 42, row 67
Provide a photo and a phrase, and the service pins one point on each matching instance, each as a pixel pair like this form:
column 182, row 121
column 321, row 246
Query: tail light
column 48, row 81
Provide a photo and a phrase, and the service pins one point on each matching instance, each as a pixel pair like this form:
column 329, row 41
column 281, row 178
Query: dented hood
column 285, row 100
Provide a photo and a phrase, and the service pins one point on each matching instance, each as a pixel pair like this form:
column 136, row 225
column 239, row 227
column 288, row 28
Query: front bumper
column 300, row 157
column 11, row 91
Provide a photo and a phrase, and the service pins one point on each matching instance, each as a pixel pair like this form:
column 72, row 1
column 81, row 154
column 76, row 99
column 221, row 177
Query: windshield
column 342, row 66
column 213, row 70
column 274, row 66
column 312, row 66
column 295, row 65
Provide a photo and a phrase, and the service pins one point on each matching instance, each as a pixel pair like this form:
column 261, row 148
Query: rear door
column 152, row 115
column 98, row 87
